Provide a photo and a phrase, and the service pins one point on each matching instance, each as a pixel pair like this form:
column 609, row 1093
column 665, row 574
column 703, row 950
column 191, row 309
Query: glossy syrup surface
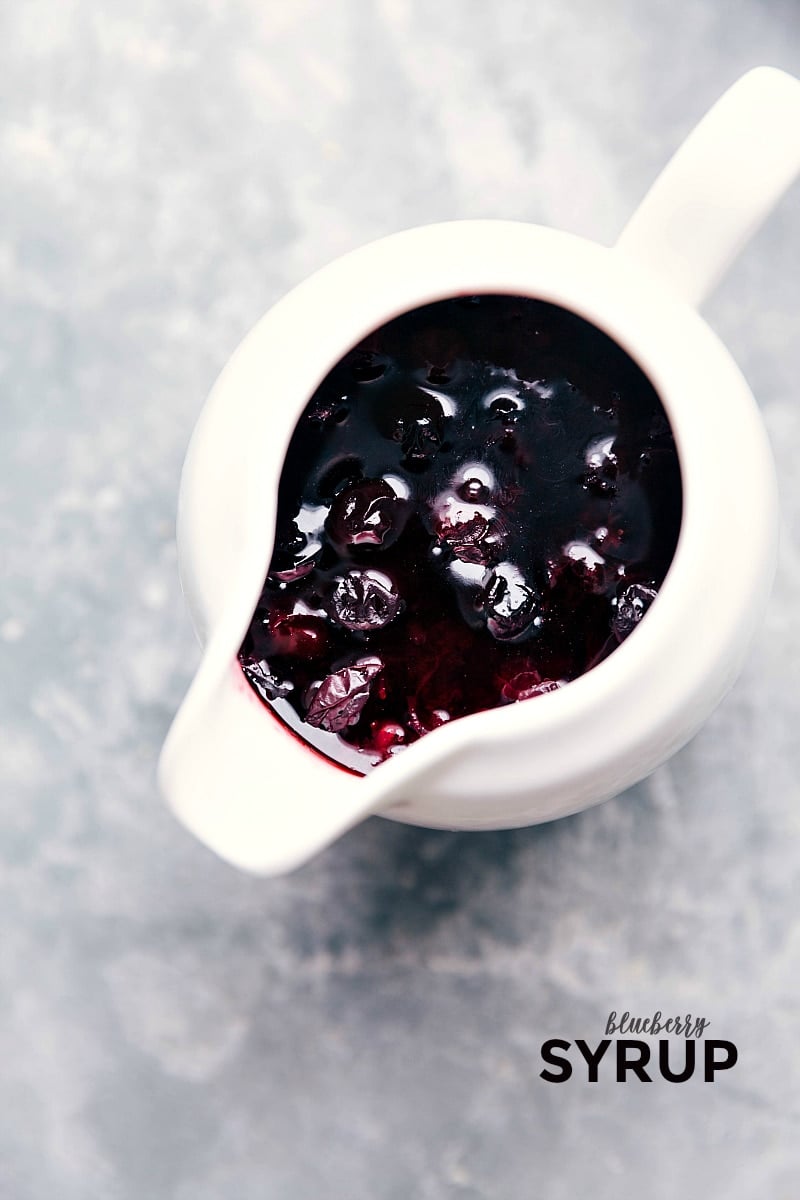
column 478, row 504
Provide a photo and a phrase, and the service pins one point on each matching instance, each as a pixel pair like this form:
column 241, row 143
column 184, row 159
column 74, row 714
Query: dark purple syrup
column 478, row 504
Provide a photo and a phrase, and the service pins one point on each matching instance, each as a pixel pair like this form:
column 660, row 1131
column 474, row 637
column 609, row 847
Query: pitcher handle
column 720, row 185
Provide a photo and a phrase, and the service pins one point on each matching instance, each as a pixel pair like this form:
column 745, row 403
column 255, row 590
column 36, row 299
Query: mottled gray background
column 371, row 1026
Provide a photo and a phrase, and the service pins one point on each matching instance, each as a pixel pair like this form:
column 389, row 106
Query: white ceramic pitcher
column 232, row 772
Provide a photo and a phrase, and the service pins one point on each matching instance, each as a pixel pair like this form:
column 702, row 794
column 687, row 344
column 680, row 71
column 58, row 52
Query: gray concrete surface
column 370, row 1027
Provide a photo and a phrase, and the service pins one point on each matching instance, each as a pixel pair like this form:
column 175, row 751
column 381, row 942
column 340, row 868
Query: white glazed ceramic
column 249, row 788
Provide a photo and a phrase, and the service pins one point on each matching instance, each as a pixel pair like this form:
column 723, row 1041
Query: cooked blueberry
column 473, row 490
column 470, row 532
column 588, row 565
column 299, row 635
column 632, row 603
column 366, row 367
column 364, row 601
column 424, row 721
column 362, row 515
column 388, row 735
column 474, row 483
column 511, row 605
column 339, row 699
column 267, row 684
column 298, row 548
column 600, row 462
column 294, row 556
column 416, row 421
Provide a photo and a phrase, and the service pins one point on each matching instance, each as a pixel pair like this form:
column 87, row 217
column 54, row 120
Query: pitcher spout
column 245, row 786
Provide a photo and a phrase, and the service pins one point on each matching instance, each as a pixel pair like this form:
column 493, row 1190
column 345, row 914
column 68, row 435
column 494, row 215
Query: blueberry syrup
column 478, row 504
